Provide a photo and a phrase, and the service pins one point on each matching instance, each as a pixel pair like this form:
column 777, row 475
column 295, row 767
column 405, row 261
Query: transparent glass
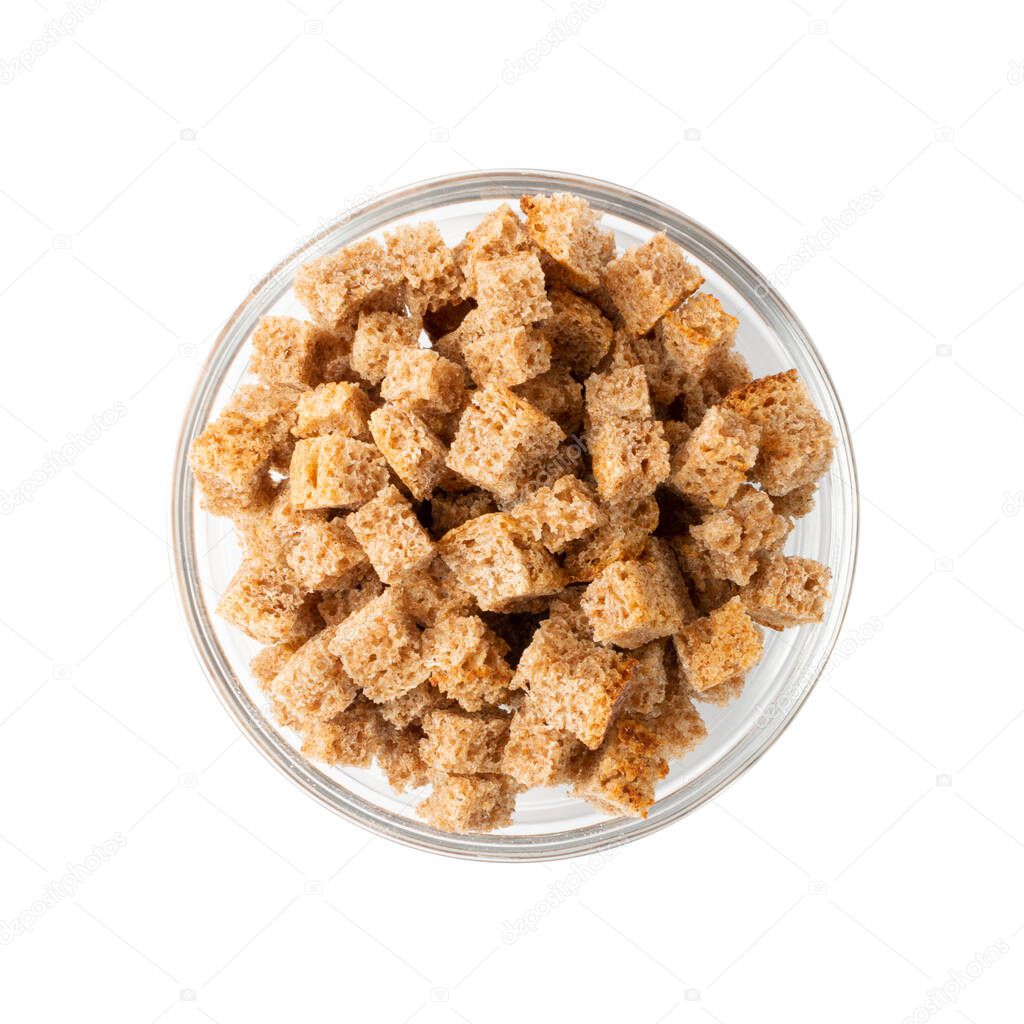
column 549, row 823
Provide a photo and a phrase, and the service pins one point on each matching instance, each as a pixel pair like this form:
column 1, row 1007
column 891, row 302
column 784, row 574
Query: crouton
column 510, row 291
column 352, row 738
column 677, row 724
column 428, row 266
column 467, row 661
column 536, row 754
column 561, row 513
column 646, row 281
column 566, row 228
column 462, row 743
column 500, row 233
column 334, row 406
column 497, row 561
column 623, row 536
column 619, row 394
column 265, row 601
column 337, row 605
column 714, row 649
column 313, row 684
column 423, row 380
column 394, row 540
column 470, row 803
column 509, row 356
column 693, row 334
column 335, row 471
column 737, row 538
column 286, row 351
column 450, row 510
column 796, row 440
column 501, row 438
column 714, row 461
column 270, row 660
column 558, row 395
column 376, row 337
column 324, row 555
column 399, row 758
column 631, row 603
column 788, row 592
column 379, row 646
column 412, row 449
column 629, row 458
column 650, row 679
column 577, row 330
column 797, row 503
column 409, row 709
column 706, row 589
column 338, row 287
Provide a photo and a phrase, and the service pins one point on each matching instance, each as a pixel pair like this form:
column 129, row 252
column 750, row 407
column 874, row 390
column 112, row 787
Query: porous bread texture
column 712, row 463
column 645, row 282
column 497, row 561
column 796, row 440
column 338, row 287
column 379, row 646
column 465, row 572
column 377, row 336
column 788, row 591
column 393, row 538
column 467, row 662
column 423, row 380
column 412, row 449
column 334, row 406
column 718, row 647
column 501, row 438
column 335, row 471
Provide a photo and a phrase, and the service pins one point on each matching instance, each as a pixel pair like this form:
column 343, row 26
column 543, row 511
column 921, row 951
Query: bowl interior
column 548, row 822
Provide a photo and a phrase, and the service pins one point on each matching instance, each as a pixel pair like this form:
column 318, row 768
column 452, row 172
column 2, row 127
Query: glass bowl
column 549, row 824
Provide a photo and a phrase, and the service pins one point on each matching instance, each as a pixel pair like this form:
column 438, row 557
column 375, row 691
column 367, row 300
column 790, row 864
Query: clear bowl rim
column 419, row 197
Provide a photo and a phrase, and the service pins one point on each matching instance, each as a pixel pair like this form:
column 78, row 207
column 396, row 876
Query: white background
column 161, row 158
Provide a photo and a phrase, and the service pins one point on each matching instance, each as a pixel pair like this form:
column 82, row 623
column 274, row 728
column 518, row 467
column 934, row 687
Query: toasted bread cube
column 231, row 458
column 500, row 233
column 337, row 605
column 707, row 590
column 379, row 645
column 411, row 448
column 335, row 471
column 623, row 536
column 796, row 440
column 573, row 684
column 325, row 555
column 566, row 228
column 634, row 602
column 646, row 281
column 629, row 458
column 722, row 694
column 286, row 351
column 561, row 513
column 737, row 538
column 423, row 380
column 620, row 776
column 619, row 394
column 536, row 754
column 338, row 287
column 578, row 331
column 463, row 743
column 270, row 660
column 334, row 406
column 409, row 709
column 510, row 290
column 432, row 594
column 558, row 395
column 450, row 510
column 470, row 803
column 678, row 724
column 714, row 649
column 798, row 503
column 351, row 738
column 508, row 356
column 427, row 265
column 501, row 438
column 788, row 591
column 313, row 684
column 713, row 463
column 265, row 601
column 393, row 538
column 650, row 679
column 467, row 662
column 497, row 561
column 399, row 759
column 376, row 337
column 694, row 334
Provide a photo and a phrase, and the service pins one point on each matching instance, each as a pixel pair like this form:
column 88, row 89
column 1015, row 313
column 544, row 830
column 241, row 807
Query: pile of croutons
column 509, row 508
